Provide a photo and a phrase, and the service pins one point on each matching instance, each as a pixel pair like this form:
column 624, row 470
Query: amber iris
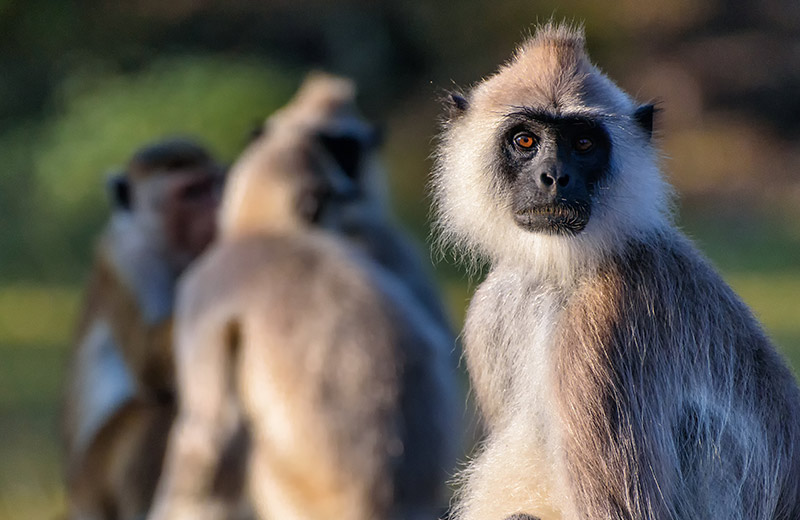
column 583, row 144
column 524, row 141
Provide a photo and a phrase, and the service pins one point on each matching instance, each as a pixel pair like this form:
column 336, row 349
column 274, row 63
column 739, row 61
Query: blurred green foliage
column 216, row 98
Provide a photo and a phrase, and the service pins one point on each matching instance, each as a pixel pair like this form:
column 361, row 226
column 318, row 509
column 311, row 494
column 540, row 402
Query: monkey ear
column 644, row 116
column 455, row 104
column 119, row 191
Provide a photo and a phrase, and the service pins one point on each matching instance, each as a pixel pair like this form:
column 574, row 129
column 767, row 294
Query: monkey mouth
column 554, row 219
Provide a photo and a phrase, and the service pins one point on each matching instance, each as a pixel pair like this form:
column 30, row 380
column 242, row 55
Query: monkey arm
column 619, row 395
column 145, row 347
column 207, row 420
column 98, row 381
column 99, row 384
column 106, row 428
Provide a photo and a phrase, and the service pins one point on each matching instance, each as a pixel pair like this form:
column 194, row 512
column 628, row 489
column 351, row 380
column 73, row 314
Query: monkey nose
column 551, row 180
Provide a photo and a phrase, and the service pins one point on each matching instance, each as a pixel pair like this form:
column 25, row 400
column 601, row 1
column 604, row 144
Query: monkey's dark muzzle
column 554, row 219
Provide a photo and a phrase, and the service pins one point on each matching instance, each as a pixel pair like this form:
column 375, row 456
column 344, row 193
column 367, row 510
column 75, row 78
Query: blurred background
column 85, row 82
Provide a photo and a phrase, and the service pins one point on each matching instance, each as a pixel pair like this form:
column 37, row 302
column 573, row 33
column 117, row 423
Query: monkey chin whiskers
column 554, row 219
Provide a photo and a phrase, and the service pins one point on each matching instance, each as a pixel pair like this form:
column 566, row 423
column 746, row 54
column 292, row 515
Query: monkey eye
column 524, row 141
column 583, row 144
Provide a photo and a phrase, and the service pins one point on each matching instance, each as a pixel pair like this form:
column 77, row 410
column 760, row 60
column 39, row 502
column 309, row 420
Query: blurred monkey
column 351, row 202
column 341, row 376
column 119, row 401
column 356, row 202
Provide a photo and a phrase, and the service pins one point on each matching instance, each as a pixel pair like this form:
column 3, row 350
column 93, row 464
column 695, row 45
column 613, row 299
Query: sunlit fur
column 251, row 203
column 618, row 375
column 255, row 203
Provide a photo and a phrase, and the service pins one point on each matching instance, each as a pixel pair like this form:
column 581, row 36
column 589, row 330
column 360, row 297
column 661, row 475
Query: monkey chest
column 508, row 337
column 509, row 344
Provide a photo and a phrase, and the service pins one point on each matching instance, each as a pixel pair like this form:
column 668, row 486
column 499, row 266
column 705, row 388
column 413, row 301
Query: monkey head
column 171, row 190
column 346, row 144
column 306, row 163
column 547, row 159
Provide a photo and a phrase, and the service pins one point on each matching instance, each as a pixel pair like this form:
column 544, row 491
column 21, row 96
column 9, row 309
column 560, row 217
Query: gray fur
column 691, row 412
column 618, row 375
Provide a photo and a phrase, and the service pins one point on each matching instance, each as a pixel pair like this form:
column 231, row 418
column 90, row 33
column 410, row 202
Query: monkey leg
column 139, row 459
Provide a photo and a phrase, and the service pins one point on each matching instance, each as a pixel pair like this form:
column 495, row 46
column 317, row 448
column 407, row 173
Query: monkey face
column 337, row 160
column 335, row 177
column 309, row 164
column 191, row 211
column 180, row 206
column 343, row 158
column 548, row 161
column 550, row 167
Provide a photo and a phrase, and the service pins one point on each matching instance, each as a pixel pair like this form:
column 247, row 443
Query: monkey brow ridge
column 550, row 116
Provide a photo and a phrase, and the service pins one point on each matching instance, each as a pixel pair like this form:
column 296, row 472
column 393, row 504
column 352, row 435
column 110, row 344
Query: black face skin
column 552, row 165
column 334, row 187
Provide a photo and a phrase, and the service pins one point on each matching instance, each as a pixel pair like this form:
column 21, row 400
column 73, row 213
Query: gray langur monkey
column 355, row 201
column 340, row 375
column 618, row 375
column 119, row 402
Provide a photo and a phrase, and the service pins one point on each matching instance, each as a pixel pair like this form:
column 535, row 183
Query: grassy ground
column 35, row 324
column 762, row 263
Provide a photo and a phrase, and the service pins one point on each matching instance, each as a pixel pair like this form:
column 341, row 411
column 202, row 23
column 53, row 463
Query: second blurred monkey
column 119, row 402
column 343, row 378
column 355, row 199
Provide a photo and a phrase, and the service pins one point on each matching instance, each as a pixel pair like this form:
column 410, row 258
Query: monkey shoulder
column 268, row 270
column 660, row 299
column 666, row 281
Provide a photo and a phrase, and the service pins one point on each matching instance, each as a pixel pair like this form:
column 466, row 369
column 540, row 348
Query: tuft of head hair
column 558, row 33
column 321, row 96
column 550, row 73
column 264, row 183
column 262, row 190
